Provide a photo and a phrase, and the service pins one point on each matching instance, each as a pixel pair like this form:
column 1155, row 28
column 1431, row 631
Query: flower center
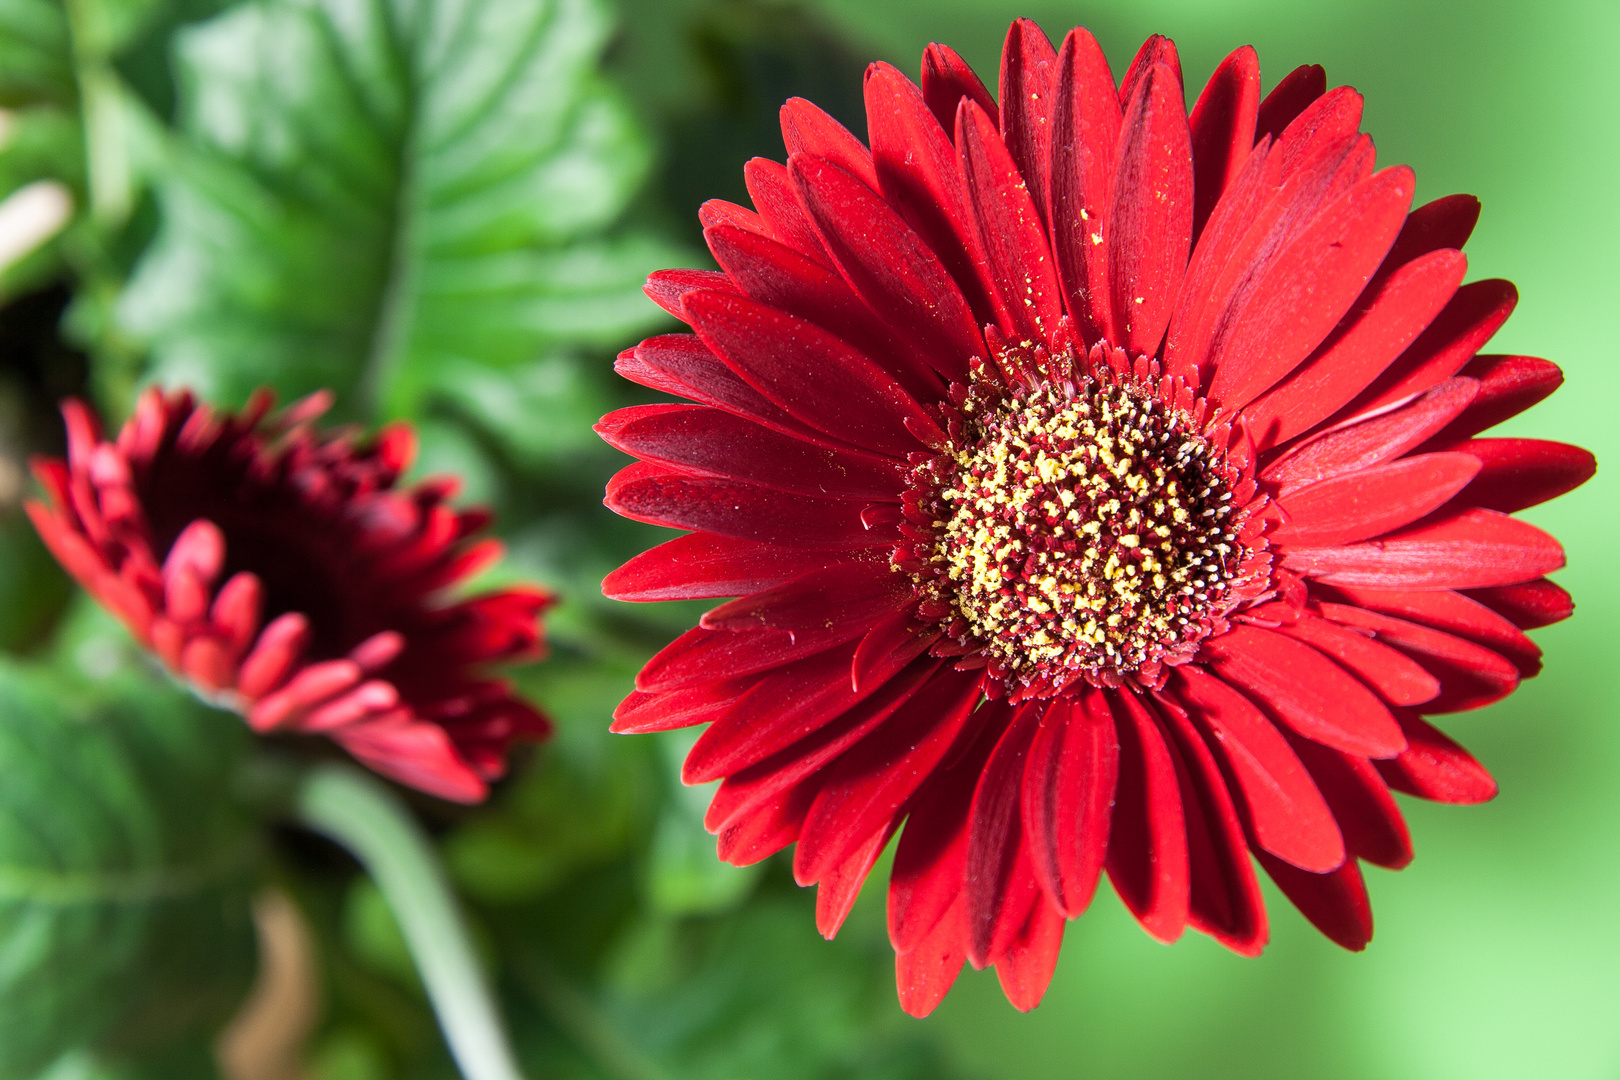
column 1081, row 531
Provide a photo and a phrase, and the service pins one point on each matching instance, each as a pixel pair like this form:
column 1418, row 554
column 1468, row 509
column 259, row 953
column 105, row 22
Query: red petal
column 1461, row 329
column 1306, row 690
column 719, row 212
column 366, row 700
column 1388, row 318
column 681, row 364
column 808, row 130
column 1369, row 443
column 1025, row 969
column 1370, row 502
column 777, row 275
column 1068, row 798
column 1289, row 98
column 772, row 826
column 1157, row 49
column 780, row 709
column 1434, row 767
column 1086, row 121
column 1470, row 675
column 702, row 566
column 641, row 712
column 1523, row 472
column 667, row 288
column 309, row 687
column 917, row 168
column 818, row 378
column 839, row 888
column 1361, row 803
column 1398, row 679
column 418, row 755
column 868, row 784
column 946, row 80
column 1308, row 286
column 1009, row 230
column 1028, row 79
column 847, row 594
column 1508, row 385
column 930, row 862
column 697, row 438
column 1224, row 246
column 1336, row 902
column 1222, row 128
column 1466, row 550
column 772, row 192
column 888, row 265
column 206, row 662
column 748, row 788
column 1001, row 885
column 236, row 610
column 1147, row 838
column 281, row 643
column 1455, row 614
column 1225, row 900
column 1288, row 815
column 1325, row 122
column 900, row 632
column 1528, row 605
column 1447, row 222
column 1150, row 222
column 701, row 656
column 1270, row 207
column 924, row 974
column 660, row 496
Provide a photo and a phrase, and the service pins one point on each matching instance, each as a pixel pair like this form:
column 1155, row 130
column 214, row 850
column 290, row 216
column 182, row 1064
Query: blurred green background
column 1497, row 952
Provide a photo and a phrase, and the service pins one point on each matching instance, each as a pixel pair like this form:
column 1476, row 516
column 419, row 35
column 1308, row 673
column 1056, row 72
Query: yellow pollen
column 1067, row 544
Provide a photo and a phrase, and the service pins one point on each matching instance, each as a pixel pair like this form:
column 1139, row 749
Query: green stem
column 358, row 812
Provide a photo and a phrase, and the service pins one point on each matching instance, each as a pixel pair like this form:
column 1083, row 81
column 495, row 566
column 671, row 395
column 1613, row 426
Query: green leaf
column 759, row 993
column 398, row 199
column 36, row 54
column 125, row 869
column 684, row 876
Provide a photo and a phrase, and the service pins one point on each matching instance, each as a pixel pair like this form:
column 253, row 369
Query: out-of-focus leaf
column 391, row 199
column 125, row 869
column 36, row 54
column 579, row 802
column 448, row 449
column 32, row 587
column 758, row 993
column 349, row 1054
column 684, row 876
column 716, row 97
column 36, row 370
column 373, row 935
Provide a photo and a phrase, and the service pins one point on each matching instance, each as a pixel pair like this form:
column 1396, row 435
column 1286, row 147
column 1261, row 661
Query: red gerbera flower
column 282, row 573
column 1102, row 490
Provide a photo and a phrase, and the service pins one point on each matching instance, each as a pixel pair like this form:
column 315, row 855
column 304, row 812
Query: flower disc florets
column 1082, row 529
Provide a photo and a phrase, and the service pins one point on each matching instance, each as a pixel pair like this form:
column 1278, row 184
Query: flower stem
column 358, row 812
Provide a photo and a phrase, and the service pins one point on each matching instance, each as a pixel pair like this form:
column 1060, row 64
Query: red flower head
column 282, row 573
column 1102, row 490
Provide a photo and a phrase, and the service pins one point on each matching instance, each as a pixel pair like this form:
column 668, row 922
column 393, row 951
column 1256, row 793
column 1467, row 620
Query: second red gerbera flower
column 284, row 574
column 1102, row 492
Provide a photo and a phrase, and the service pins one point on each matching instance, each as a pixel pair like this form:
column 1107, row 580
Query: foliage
column 126, row 862
column 396, row 201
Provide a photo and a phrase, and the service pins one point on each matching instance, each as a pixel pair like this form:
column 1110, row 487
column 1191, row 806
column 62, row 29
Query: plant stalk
column 360, row 813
